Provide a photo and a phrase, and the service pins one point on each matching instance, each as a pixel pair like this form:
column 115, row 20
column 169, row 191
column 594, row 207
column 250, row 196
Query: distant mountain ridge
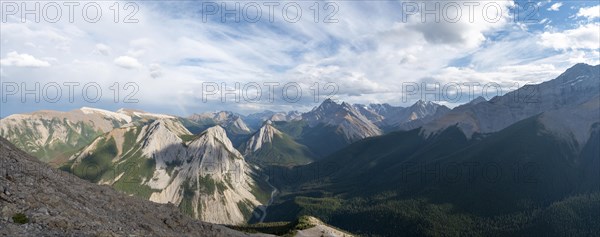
column 230, row 121
column 392, row 118
column 576, row 85
column 344, row 118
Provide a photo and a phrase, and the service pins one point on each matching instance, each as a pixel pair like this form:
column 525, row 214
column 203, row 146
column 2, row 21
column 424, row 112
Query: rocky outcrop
column 319, row 228
column 214, row 184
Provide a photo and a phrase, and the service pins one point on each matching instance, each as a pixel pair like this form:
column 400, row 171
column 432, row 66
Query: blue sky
column 367, row 53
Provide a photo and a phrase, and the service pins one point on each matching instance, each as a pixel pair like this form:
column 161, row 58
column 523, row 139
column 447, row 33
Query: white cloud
column 465, row 32
column 22, row 60
column 155, row 70
column 583, row 37
column 555, row 7
column 368, row 57
column 103, row 49
column 127, row 62
column 589, row 12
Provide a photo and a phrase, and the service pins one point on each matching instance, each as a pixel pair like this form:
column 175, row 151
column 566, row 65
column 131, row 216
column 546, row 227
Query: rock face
column 59, row 204
column 347, row 121
column 575, row 86
column 203, row 175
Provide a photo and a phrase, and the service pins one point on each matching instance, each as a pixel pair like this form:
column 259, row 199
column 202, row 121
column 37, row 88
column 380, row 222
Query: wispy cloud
column 368, row 53
column 555, row 6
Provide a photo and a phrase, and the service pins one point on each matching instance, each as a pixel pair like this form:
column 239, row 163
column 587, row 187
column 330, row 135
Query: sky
column 184, row 57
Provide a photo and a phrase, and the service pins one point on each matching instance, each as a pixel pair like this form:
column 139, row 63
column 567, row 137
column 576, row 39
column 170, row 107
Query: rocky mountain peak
column 349, row 121
column 478, row 100
column 161, row 141
column 420, row 102
column 424, row 104
column 326, row 105
column 219, row 133
column 263, row 136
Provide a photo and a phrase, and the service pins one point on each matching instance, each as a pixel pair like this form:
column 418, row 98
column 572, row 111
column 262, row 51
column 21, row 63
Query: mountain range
column 524, row 163
column 495, row 167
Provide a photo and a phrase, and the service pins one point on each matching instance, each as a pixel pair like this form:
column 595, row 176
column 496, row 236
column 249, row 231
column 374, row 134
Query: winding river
column 265, row 207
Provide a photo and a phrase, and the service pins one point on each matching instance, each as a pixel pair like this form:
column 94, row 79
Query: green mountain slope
column 502, row 183
column 269, row 146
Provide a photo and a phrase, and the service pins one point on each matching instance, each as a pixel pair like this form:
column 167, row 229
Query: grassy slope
column 132, row 167
column 282, row 151
column 321, row 140
column 56, row 153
